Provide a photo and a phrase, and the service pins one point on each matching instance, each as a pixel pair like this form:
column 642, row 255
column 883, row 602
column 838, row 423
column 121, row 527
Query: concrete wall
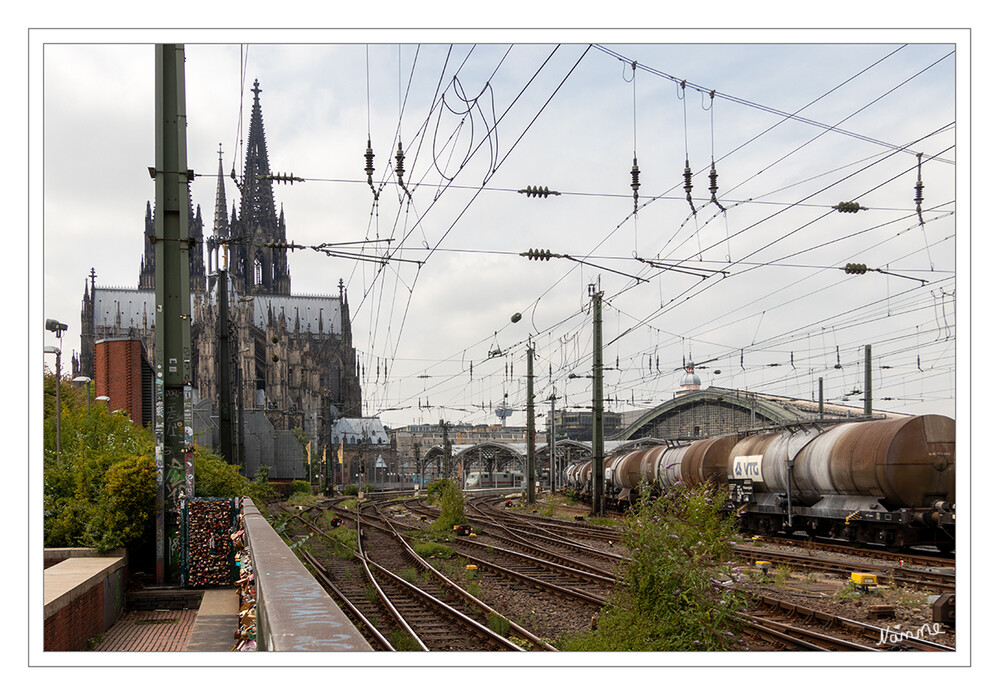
column 294, row 613
column 84, row 596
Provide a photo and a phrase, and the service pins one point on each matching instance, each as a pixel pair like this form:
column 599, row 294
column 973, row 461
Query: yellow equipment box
column 863, row 578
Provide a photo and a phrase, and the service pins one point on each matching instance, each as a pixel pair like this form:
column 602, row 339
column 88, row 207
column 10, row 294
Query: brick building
column 123, row 374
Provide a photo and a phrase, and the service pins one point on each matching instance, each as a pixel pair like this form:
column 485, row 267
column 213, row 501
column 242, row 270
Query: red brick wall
column 72, row 626
column 118, row 375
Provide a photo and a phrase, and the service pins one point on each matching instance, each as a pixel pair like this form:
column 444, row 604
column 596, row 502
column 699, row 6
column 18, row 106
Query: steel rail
column 486, row 608
column 324, row 579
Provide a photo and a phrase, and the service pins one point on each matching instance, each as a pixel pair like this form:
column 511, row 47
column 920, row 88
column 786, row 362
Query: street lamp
column 58, row 328
column 84, row 380
column 106, row 400
column 52, row 350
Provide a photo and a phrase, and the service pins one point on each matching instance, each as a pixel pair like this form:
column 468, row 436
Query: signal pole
column 597, row 475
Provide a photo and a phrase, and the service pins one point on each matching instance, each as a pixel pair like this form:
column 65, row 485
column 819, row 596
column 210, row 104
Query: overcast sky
column 757, row 296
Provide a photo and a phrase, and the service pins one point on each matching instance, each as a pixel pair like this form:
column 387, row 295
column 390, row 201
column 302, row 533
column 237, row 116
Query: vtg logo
column 748, row 467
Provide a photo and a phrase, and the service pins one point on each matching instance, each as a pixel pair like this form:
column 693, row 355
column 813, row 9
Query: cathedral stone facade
column 292, row 356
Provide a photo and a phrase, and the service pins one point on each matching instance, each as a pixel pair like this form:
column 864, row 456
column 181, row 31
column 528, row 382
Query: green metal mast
column 597, row 472
column 173, row 422
column 531, row 495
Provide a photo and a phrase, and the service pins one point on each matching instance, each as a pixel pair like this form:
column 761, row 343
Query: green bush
column 213, row 477
column 675, row 592
column 94, row 493
column 297, row 486
column 447, row 495
column 260, row 490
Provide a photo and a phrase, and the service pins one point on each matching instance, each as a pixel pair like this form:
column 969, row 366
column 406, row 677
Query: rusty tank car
column 889, row 482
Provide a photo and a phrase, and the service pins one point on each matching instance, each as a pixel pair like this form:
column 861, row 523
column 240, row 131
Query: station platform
column 208, row 629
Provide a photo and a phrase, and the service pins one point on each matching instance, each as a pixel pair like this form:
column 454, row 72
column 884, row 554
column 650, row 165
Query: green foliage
column 213, row 477
column 350, row 490
column 498, row 624
column 125, row 510
column 344, row 542
column 447, row 495
column 434, row 490
column 673, row 597
column 402, row 641
column 299, row 486
column 94, row 492
column 260, row 490
column 101, row 492
column 303, row 499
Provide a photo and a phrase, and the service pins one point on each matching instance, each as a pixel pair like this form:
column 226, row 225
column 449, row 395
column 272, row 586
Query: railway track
column 559, row 567
column 922, row 579
column 404, row 615
column 924, row 559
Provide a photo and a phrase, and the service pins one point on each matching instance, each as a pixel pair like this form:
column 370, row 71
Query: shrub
column 124, row 513
column 297, row 486
column 448, row 497
column 213, row 477
column 672, row 595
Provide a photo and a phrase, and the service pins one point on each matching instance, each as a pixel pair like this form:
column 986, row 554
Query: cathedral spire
column 258, row 192
column 261, row 267
column 220, row 227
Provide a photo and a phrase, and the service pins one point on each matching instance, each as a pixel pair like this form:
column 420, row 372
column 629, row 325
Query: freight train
column 888, row 482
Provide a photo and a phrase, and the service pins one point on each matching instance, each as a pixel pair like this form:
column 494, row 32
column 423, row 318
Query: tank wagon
column 889, row 482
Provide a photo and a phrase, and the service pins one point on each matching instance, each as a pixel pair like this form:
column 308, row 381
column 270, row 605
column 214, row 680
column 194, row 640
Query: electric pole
column 597, row 476
column 174, row 411
column 551, row 444
column 530, row 426
column 868, row 383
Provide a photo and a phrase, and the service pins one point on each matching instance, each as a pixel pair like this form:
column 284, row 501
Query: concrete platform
column 207, row 629
column 218, row 618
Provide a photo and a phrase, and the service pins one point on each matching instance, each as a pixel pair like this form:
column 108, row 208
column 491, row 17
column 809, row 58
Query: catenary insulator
column 919, row 187
column 713, row 183
column 848, row 206
column 399, row 158
column 688, row 184
column 369, row 168
column 369, row 162
column 634, row 181
column 537, row 192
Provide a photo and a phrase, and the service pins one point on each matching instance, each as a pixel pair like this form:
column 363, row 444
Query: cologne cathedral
column 292, row 356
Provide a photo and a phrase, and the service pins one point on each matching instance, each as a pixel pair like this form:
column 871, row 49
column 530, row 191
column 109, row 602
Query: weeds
column 675, row 591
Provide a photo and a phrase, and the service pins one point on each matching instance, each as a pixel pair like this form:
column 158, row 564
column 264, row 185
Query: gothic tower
column 147, row 266
column 257, row 269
